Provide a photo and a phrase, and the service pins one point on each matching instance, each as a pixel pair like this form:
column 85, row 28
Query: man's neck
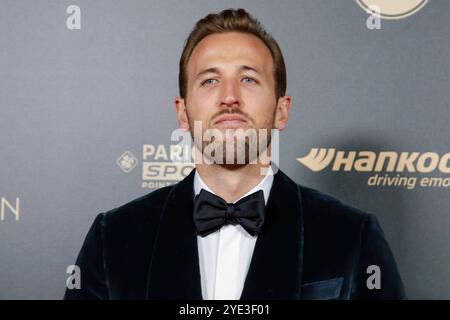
column 231, row 182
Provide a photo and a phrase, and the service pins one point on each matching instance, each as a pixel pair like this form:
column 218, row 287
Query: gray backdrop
column 74, row 101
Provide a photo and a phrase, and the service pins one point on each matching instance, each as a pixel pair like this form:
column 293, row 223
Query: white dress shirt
column 225, row 255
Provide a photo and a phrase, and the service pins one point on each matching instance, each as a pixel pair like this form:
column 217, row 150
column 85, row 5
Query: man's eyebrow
column 205, row 71
column 216, row 70
column 248, row 68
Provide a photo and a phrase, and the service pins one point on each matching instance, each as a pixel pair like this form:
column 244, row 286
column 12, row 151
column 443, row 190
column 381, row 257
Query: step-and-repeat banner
column 87, row 112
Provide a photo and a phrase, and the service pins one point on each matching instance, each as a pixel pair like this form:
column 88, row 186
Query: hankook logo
column 319, row 159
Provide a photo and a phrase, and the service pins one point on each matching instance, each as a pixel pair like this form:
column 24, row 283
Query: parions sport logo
column 161, row 165
column 391, row 168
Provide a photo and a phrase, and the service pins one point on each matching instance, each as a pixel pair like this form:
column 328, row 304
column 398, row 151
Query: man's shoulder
column 333, row 227
column 146, row 207
column 321, row 206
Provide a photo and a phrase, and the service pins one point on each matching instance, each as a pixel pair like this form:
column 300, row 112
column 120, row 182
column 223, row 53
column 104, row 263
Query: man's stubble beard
column 240, row 147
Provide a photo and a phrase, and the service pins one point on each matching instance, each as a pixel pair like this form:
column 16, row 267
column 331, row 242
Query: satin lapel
column 275, row 270
column 174, row 269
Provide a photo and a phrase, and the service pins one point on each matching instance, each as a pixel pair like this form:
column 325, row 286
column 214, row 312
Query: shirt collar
column 265, row 185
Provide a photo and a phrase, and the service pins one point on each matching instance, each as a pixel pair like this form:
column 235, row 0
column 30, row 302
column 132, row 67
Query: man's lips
column 230, row 119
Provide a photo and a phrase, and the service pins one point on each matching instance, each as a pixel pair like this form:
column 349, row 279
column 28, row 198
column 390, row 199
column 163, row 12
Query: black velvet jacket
column 312, row 246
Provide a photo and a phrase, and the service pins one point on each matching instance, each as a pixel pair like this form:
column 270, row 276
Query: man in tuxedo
column 226, row 231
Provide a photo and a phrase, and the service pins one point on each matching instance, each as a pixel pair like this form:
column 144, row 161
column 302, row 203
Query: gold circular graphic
column 392, row 9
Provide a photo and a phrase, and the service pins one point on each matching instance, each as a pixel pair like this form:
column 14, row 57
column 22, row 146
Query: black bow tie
column 211, row 212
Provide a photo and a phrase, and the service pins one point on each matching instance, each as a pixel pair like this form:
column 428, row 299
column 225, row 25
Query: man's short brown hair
column 231, row 20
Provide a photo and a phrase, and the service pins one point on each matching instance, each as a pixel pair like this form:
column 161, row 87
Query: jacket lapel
column 276, row 267
column 174, row 271
column 275, row 270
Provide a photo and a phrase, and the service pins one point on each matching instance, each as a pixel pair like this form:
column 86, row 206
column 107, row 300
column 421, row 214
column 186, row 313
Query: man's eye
column 249, row 80
column 209, row 82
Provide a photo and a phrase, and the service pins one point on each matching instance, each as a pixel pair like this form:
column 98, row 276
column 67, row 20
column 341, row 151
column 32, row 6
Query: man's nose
column 230, row 95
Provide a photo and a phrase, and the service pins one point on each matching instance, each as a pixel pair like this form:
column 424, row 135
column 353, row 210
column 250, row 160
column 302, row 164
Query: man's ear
column 282, row 113
column 182, row 118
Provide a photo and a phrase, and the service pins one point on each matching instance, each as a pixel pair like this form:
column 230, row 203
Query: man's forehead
column 230, row 50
